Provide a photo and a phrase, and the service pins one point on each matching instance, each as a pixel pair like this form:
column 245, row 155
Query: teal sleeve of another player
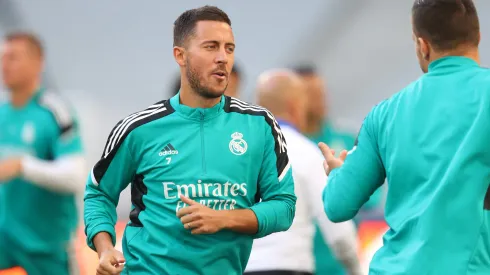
column 109, row 177
column 350, row 186
column 276, row 211
column 375, row 200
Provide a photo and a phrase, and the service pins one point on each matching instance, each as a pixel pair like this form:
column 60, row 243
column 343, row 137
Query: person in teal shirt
column 42, row 168
column 321, row 129
column 208, row 172
column 430, row 141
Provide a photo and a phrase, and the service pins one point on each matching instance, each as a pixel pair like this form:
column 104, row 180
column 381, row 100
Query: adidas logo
column 168, row 150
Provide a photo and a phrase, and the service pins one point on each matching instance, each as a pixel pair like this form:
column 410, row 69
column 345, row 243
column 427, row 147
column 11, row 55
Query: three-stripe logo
column 168, row 150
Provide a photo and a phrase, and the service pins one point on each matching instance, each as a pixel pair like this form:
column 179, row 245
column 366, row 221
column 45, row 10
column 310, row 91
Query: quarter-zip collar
column 451, row 63
column 197, row 113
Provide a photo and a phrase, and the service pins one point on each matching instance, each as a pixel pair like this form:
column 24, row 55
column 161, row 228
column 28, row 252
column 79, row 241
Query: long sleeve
column 64, row 171
column 109, row 177
column 64, row 175
column 375, row 199
column 276, row 211
column 350, row 186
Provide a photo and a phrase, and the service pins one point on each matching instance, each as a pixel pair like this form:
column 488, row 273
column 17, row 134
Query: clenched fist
column 111, row 262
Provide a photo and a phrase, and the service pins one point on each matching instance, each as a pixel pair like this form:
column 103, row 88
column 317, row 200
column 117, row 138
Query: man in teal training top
column 430, row 141
column 209, row 173
column 42, row 168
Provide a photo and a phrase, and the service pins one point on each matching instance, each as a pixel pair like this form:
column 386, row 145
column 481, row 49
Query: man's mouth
column 220, row 74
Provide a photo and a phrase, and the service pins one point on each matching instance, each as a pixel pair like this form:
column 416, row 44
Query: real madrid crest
column 238, row 145
column 28, row 133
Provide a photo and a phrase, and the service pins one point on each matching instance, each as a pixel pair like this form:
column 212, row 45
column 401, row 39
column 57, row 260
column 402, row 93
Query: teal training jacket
column 230, row 156
column 431, row 142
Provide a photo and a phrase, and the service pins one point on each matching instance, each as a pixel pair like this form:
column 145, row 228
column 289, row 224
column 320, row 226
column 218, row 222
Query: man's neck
column 21, row 95
column 471, row 53
column 192, row 99
column 314, row 127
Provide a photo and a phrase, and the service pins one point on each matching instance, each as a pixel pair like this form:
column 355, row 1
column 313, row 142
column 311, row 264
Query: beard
column 194, row 79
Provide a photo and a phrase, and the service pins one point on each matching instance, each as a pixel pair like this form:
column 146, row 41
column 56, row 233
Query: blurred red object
column 13, row 271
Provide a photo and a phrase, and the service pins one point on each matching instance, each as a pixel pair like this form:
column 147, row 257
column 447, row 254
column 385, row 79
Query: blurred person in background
column 291, row 253
column 430, row 140
column 232, row 90
column 209, row 173
column 42, row 167
column 320, row 129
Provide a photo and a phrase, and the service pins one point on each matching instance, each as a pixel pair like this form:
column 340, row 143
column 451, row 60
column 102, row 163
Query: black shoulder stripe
column 122, row 130
column 280, row 148
column 59, row 109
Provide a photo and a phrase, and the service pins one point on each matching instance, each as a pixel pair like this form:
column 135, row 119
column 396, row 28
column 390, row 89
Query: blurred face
column 208, row 58
column 232, row 89
column 299, row 106
column 20, row 64
column 315, row 91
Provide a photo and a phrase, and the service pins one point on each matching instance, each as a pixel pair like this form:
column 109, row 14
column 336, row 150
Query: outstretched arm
column 353, row 177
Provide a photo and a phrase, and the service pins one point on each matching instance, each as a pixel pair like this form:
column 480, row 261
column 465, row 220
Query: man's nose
column 222, row 56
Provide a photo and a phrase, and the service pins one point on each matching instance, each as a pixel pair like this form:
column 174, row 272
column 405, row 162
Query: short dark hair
column 31, row 39
column 305, row 70
column 446, row 24
column 185, row 24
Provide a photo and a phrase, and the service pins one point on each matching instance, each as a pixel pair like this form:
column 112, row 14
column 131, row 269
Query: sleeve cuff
column 258, row 210
column 105, row 227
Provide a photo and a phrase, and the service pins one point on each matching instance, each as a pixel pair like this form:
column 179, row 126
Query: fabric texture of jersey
column 230, row 156
column 431, row 142
column 293, row 250
column 325, row 261
column 33, row 219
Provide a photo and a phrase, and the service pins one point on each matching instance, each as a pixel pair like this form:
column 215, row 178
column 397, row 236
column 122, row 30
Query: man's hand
column 111, row 262
column 200, row 219
column 331, row 162
column 9, row 169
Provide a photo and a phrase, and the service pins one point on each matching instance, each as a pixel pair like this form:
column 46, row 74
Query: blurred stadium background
column 111, row 58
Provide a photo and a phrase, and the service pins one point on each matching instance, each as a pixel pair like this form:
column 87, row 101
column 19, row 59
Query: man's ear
column 179, row 55
column 424, row 48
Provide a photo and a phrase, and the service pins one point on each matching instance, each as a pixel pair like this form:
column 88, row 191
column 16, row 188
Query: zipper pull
column 202, row 116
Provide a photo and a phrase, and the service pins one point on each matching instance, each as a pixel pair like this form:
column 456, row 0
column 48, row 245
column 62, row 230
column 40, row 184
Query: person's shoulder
column 237, row 106
column 390, row 103
column 484, row 74
column 57, row 107
column 137, row 120
column 127, row 126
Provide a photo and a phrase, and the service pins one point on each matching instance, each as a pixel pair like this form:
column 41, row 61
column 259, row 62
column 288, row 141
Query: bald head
column 283, row 93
